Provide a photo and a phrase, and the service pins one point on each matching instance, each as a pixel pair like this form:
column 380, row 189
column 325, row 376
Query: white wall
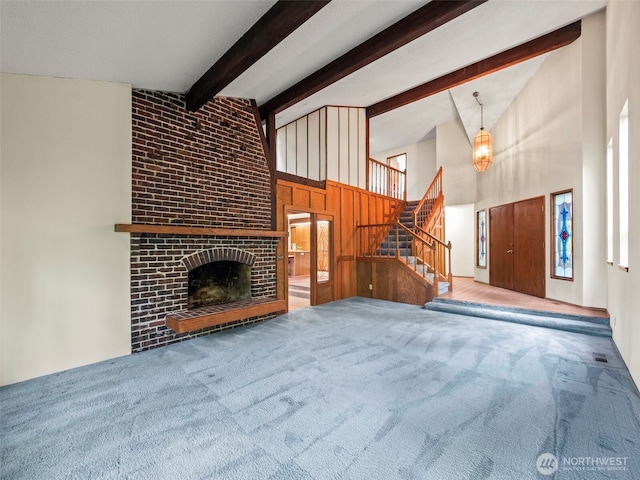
column 623, row 78
column 421, row 166
column 66, row 180
column 459, row 230
column 540, row 148
column 453, row 152
column 594, row 165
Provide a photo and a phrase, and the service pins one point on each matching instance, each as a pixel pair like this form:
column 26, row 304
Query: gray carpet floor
column 355, row 389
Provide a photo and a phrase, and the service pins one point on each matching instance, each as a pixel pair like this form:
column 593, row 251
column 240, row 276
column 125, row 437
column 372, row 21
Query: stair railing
column 428, row 251
column 432, row 198
column 422, row 256
column 442, row 254
column 375, row 238
column 369, row 240
column 386, row 180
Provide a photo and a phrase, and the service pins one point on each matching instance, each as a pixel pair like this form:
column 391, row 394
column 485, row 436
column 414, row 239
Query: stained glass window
column 481, row 239
column 562, row 234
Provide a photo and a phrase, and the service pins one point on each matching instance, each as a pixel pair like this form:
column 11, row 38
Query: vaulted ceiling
column 170, row 44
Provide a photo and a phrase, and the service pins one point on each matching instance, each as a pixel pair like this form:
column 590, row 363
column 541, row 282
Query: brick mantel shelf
column 208, row 231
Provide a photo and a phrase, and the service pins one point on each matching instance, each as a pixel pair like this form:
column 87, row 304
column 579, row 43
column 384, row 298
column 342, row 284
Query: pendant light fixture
column 482, row 143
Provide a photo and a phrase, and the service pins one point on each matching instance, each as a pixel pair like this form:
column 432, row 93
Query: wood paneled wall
column 390, row 280
column 350, row 206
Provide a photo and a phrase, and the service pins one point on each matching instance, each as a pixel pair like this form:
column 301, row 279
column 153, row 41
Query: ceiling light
column 482, row 143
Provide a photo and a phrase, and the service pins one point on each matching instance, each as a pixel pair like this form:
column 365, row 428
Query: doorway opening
column 310, row 259
column 299, row 260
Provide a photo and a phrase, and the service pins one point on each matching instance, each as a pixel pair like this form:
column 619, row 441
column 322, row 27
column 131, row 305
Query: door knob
column 509, row 251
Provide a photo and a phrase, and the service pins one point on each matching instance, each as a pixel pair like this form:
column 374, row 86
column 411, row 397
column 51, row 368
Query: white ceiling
column 168, row 45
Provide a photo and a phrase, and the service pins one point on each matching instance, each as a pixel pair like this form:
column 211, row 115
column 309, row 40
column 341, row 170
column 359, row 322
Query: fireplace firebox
column 219, row 282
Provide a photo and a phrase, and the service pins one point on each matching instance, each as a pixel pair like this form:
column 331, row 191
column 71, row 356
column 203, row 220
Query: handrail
column 432, row 237
column 386, row 180
column 447, row 246
column 421, row 212
column 382, row 164
column 414, row 234
column 433, row 214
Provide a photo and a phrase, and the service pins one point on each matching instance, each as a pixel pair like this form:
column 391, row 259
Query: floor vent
column 600, row 357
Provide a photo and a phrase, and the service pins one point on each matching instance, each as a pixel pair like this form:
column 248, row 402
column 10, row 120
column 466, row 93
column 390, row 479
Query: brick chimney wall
column 201, row 169
column 206, row 168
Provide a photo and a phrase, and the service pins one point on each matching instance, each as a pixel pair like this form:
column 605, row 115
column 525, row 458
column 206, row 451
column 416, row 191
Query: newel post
column 450, row 274
column 436, row 288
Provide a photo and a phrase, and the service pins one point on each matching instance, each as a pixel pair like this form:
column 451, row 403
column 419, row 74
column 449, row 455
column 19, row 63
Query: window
column 562, row 235
column 623, row 185
column 481, row 239
column 610, row 202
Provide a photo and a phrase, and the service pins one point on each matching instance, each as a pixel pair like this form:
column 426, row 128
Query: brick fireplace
column 201, row 186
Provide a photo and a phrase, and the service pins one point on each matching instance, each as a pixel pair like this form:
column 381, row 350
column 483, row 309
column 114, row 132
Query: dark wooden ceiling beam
column 273, row 27
column 539, row 46
column 427, row 18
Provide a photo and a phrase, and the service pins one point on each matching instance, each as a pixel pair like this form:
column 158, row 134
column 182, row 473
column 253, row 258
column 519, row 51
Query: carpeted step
column 391, row 245
column 422, row 269
column 443, row 287
column 390, row 252
column 406, row 217
column 558, row 321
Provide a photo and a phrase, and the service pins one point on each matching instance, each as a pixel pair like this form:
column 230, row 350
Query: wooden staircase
column 415, row 238
column 398, row 238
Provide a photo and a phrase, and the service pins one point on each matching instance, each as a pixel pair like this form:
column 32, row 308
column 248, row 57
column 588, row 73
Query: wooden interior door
column 322, row 262
column 516, row 247
column 501, row 246
column 528, row 239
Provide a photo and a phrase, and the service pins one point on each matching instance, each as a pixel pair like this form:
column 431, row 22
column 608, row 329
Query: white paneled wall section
column 328, row 144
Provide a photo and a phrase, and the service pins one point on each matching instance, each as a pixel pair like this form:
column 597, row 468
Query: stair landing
column 467, row 289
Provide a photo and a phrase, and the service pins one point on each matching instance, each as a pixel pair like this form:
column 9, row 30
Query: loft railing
column 421, row 256
column 432, row 203
column 386, row 180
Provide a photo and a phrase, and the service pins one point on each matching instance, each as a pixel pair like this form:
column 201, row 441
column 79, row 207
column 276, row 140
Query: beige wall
column 594, row 154
column 623, row 80
column 540, row 148
column 453, row 152
column 459, row 231
column 66, row 180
